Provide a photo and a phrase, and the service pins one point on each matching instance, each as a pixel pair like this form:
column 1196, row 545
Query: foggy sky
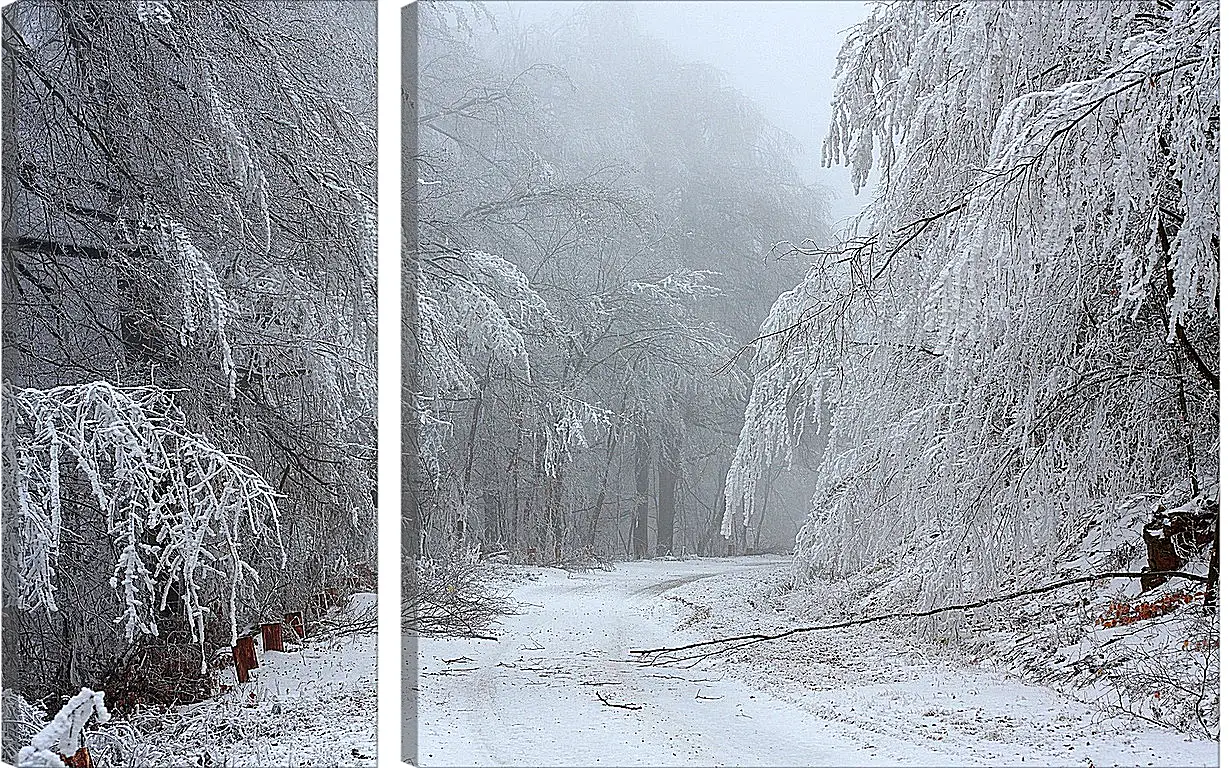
column 782, row 54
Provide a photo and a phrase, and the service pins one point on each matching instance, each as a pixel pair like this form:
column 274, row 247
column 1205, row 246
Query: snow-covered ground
column 313, row 705
column 560, row 688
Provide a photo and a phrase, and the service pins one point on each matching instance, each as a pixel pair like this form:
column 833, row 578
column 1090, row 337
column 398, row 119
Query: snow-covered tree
column 189, row 210
column 1022, row 331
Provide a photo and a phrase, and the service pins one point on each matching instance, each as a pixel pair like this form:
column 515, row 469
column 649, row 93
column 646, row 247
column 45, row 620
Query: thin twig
column 610, row 703
column 662, row 656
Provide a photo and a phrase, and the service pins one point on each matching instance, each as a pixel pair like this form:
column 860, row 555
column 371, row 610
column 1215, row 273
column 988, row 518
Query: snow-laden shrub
column 448, row 595
column 64, row 734
column 176, row 508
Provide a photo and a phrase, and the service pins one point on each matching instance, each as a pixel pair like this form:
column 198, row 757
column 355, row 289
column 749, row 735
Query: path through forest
column 559, row 688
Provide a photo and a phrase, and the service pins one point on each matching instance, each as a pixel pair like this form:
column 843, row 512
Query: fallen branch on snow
column 706, row 648
column 610, row 703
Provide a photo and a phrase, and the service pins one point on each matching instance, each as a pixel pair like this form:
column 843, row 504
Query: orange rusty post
column 249, row 644
column 271, row 636
column 245, row 657
column 80, row 759
column 241, row 667
column 294, row 620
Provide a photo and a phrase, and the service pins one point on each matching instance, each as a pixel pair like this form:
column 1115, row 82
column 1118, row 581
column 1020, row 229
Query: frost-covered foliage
column 1153, row 654
column 178, row 510
column 630, row 199
column 477, row 318
column 190, row 207
column 1023, row 330
column 63, row 735
column 472, row 321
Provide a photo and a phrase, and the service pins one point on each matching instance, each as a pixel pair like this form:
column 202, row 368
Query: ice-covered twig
column 706, row 648
column 63, row 735
column 606, row 700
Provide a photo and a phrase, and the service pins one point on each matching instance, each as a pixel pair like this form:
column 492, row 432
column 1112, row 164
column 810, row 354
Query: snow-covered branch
column 691, row 652
column 176, row 507
column 63, row 735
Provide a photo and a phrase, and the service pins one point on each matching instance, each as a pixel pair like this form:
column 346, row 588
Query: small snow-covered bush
column 449, row 595
column 22, row 720
column 64, row 734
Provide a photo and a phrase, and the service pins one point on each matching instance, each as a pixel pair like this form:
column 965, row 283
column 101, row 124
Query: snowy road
column 559, row 688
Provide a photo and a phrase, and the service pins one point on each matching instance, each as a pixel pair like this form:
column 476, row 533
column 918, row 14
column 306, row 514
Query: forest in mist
column 600, row 229
column 639, row 335
column 696, row 466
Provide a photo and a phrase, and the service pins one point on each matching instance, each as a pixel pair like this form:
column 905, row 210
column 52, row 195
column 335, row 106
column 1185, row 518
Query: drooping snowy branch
column 64, row 734
column 482, row 311
column 571, row 424
column 176, row 507
column 202, row 297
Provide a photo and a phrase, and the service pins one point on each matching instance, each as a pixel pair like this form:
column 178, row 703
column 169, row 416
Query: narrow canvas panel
column 811, row 383
column 189, row 434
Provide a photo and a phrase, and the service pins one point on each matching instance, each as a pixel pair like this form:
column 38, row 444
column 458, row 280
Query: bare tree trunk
column 555, row 508
column 490, row 517
column 514, row 474
column 1213, row 585
column 534, row 519
column 1188, row 434
column 470, row 449
column 710, row 537
column 640, row 523
column 759, row 526
column 611, row 438
column 667, row 481
column 684, row 523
